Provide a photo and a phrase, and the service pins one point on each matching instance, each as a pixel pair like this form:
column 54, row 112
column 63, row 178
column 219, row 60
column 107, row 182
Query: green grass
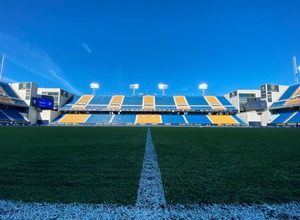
column 71, row 164
column 229, row 165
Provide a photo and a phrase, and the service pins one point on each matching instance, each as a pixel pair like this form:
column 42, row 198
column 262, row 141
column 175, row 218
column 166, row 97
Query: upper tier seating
column 198, row 102
column 148, row 102
column 148, row 119
column 293, row 102
column 132, row 102
column 226, row 103
column 99, row 102
column 278, row 104
column 74, row 118
column 82, row 102
column 165, row 103
column 172, row 119
column 289, row 92
column 5, row 100
column 282, row 117
column 8, row 90
column 215, row 103
column 223, row 119
column 181, row 103
column 116, row 102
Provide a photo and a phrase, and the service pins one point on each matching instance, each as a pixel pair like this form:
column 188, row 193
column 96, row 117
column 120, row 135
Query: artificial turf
column 229, row 165
column 71, row 164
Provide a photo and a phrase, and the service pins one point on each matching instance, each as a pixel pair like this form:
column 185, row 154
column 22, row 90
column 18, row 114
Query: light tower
column 296, row 69
column 203, row 87
column 133, row 87
column 2, row 67
column 163, row 87
column 94, row 86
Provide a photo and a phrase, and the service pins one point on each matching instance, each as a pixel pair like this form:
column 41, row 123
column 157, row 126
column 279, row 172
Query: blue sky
column 232, row 44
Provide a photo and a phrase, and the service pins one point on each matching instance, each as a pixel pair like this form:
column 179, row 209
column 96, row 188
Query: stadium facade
column 25, row 103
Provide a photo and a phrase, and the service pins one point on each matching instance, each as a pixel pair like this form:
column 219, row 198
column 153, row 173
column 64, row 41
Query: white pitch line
column 150, row 192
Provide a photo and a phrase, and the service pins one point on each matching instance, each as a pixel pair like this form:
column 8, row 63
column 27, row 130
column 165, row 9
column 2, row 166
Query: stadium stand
column 222, row 119
column 238, row 120
column 292, row 102
column 289, row 92
column 278, row 104
column 215, row 103
column 181, row 103
column 99, row 118
column 148, row 119
column 132, row 103
column 173, row 119
column 3, row 118
column 116, row 102
column 11, row 115
column 74, row 118
column 226, row 103
column 164, row 103
column 99, row 102
column 295, row 118
column 195, row 119
column 198, row 103
column 8, row 90
column 148, row 102
column 282, row 117
column 124, row 119
column 82, row 102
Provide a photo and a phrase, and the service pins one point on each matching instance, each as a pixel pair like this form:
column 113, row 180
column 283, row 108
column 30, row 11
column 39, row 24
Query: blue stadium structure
column 273, row 105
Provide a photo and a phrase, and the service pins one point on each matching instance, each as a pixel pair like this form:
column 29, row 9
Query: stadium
column 204, row 156
column 25, row 103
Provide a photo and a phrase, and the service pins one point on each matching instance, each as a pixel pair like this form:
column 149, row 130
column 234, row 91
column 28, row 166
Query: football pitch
column 102, row 165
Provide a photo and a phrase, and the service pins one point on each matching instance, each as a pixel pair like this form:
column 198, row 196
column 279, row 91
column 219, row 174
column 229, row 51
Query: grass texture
column 71, row 164
column 229, row 165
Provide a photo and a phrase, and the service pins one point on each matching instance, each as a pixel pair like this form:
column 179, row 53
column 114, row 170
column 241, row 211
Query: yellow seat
column 148, row 119
column 82, row 102
column 293, row 102
column 148, row 102
column 222, row 119
column 116, row 102
column 181, row 103
column 74, row 118
column 214, row 102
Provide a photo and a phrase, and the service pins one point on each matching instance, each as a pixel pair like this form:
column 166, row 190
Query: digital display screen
column 42, row 103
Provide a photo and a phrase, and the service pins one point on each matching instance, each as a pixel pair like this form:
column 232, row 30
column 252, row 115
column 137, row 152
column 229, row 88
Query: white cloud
column 86, row 47
column 34, row 60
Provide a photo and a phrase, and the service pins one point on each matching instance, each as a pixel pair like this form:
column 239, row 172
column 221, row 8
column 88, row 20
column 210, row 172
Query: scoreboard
column 42, row 103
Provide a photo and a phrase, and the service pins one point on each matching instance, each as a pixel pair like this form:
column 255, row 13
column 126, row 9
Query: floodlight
column 94, row 86
column 163, row 87
column 133, row 87
column 203, row 87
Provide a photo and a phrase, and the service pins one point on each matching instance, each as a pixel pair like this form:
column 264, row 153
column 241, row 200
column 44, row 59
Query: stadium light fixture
column 134, row 87
column 163, row 87
column 203, row 87
column 94, row 87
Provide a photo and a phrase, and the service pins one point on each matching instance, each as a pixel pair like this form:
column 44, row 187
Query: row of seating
column 120, row 102
column 194, row 119
column 8, row 96
column 286, row 118
column 290, row 98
